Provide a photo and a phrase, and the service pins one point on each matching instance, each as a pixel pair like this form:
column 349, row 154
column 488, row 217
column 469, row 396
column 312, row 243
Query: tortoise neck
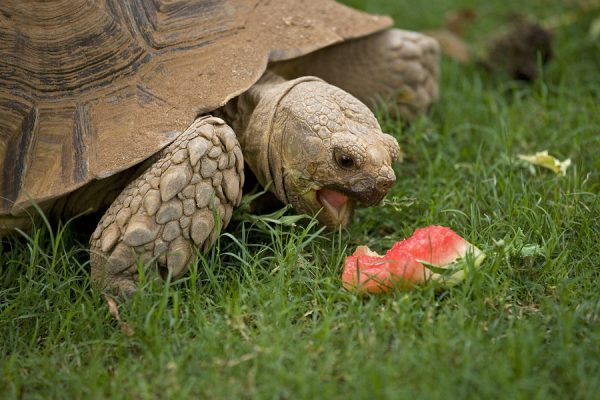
column 252, row 116
column 238, row 111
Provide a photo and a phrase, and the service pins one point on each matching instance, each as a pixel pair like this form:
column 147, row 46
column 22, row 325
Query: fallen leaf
column 543, row 159
column 126, row 329
column 113, row 310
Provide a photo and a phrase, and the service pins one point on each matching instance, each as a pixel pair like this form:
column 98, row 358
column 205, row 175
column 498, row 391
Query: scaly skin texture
column 321, row 148
column 305, row 135
column 396, row 69
column 180, row 202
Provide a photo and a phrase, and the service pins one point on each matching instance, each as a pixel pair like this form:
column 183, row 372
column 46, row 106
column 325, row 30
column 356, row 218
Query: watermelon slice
column 431, row 253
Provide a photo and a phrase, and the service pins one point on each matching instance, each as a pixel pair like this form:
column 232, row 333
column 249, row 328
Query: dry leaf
column 543, row 159
column 113, row 310
column 126, row 329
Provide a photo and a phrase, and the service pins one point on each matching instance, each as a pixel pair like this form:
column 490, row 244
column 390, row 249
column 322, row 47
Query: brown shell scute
column 16, row 127
column 65, row 45
column 90, row 88
column 187, row 23
column 79, row 45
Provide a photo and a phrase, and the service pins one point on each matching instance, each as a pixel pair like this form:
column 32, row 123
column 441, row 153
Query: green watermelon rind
column 454, row 272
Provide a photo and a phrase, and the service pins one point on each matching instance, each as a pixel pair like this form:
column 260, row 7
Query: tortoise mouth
column 337, row 207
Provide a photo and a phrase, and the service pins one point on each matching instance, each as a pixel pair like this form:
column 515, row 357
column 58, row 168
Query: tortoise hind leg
column 396, row 67
column 170, row 208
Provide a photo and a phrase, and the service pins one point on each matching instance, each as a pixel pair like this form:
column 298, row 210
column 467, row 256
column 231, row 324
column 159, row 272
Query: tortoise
column 156, row 108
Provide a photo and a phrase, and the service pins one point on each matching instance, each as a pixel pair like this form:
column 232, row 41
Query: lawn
column 263, row 315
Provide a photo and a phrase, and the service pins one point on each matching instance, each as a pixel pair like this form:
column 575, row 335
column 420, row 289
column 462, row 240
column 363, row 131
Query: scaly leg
column 172, row 207
column 394, row 67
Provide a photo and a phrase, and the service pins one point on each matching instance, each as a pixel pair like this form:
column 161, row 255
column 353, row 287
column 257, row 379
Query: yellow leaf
column 543, row 159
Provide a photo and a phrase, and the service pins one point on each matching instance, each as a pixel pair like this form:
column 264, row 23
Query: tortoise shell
column 89, row 88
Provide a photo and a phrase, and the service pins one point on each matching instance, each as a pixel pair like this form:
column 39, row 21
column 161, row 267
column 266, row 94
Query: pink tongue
column 334, row 198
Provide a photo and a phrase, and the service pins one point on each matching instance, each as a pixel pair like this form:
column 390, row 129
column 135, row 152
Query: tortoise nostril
column 384, row 185
column 386, row 179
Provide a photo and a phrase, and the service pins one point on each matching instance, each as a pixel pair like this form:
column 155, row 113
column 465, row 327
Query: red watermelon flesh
column 376, row 274
column 436, row 245
column 408, row 262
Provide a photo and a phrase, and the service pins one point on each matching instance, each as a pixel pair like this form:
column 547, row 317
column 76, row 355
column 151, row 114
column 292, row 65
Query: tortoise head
column 326, row 152
column 334, row 154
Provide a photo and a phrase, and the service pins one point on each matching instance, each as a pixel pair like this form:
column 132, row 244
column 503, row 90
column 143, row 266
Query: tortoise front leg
column 171, row 208
column 395, row 67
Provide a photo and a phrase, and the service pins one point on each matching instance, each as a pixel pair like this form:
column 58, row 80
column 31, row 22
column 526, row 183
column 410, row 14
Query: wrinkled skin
column 321, row 148
column 334, row 153
column 316, row 146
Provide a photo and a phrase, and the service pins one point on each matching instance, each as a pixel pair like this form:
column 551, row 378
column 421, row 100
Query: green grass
column 263, row 314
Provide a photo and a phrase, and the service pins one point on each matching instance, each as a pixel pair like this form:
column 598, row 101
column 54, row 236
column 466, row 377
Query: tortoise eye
column 344, row 160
